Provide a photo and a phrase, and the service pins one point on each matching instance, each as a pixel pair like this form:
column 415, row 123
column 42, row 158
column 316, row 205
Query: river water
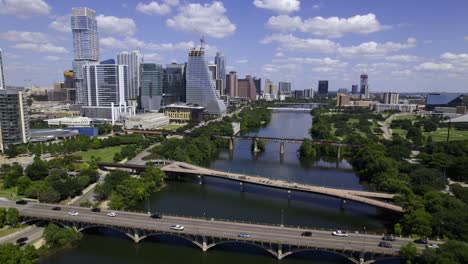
column 223, row 200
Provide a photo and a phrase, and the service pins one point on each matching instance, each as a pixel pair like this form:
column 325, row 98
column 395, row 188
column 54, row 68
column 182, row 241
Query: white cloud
column 133, row 43
column 152, row 57
column 154, row 7
column 313, row 61
column 432, row 66
column 279, row 6
column 279, row 54
column 402, row 58
column 52, row 58
column 207, row 19
column 290, row 42
column 111, row 25
column 24, row 36
column 333, row 27
column 367, row 49
column 24, row 8
column 172, row 2
column 40, row 47
column 61, row 24
column 458, row 59
column 242, row 61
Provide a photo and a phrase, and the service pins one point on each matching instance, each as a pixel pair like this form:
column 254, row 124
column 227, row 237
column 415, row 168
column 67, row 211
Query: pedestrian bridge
column 206, row 233
column 182, row 168
column 290, row 109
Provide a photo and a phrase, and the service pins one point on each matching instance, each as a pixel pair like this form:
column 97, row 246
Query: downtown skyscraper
column 85, row 45
column 133, row 61
column 220, row 62
column 2, row 77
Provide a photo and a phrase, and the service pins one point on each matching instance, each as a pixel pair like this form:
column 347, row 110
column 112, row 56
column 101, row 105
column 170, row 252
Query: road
column 32, row 232
column 214, row 228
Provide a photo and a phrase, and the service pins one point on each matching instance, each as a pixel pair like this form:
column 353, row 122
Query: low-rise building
column 342, row 100
column 146, row 121
column 395, row 107
column 78, row 121
column 182, row 113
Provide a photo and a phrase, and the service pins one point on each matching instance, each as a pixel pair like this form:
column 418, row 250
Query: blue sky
column 417, row 45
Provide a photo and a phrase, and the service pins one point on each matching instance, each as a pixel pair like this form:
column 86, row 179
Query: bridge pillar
column 282, row 148
column 342, row 204
column 289, row 194
column 204, row 244
column 280, row 252
column 200, row 179
column 231, row 144
column 136, row 236
column 338, row 152
column 241, row 186
column 256, row 150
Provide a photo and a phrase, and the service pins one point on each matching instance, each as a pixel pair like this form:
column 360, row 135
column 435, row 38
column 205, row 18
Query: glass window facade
column 151, row 86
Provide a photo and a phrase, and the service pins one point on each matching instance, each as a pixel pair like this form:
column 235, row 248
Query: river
column 223, row 200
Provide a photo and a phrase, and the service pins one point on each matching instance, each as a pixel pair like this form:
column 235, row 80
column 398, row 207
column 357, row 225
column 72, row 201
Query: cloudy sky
column 417, row 45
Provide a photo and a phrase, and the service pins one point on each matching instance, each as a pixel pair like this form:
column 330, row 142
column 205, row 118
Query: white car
column 111, row 214
column 177, row 227
column 73, row 213
column 432, row 245
column 340, row 233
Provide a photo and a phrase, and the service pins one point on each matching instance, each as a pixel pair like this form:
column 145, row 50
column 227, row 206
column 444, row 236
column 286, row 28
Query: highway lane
column 265, row 233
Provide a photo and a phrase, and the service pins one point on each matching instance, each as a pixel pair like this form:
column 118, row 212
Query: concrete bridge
column 181, row 169
column 205, row 233
column 290, row 109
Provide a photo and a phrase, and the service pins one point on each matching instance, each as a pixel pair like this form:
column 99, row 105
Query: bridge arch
column 256, row 245
column 185, row 237
column 131, row 236
column 336, row 253
column 35, row 220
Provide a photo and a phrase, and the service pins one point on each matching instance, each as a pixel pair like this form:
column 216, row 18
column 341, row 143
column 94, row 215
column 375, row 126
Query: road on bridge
column 263, row 233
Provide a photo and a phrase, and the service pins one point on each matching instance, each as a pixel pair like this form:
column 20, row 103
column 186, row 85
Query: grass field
column 171, row 127
column 105, row 154
column 8, row 193
column 408, row 116
column 441, row 134
column 399, row 131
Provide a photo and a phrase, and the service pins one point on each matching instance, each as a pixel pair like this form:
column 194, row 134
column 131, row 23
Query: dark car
column 21, row 240
column 385, row 244
column 96, row 209
column 56, row 208
column 21, row 202
column 421, row 241
column 156, row 216
column 306, row 234
column 388, row 238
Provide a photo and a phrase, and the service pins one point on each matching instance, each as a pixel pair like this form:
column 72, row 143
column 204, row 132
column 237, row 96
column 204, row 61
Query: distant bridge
column 290, row 109
column 205, row 234
column 364, row 197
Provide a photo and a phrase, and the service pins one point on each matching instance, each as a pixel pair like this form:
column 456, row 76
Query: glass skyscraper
column 174, row 84
column 364, row 86
column 200, row 88
column 2, row 77
column 105, row 84
column 14, row 117
column 220, row 62
column 151, row 86
column 85, row 44
column 132, row 60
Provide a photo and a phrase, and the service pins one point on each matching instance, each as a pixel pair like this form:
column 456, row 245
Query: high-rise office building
column 217, row 81
column 284, row 88
column 14, row 117
column 200, row 88
column 391, row 98
column 354, row 89
column 174, row 84
column 213, row 71
column 323, row 88
column 85, row 44
column 151, row 86
column 364, row 86
column 308, row 93
column 104, row 96
column 258, row 84
column 343, row 91
column 2, row 77
column 271, row 90
column 220, row 62
column 232, row 84
column 132, row 60
column 246, row 88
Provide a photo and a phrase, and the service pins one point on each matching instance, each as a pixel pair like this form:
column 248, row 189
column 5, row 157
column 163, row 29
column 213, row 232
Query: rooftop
column 441, row 98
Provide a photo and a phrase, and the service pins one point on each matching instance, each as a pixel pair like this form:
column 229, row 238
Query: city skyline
column 296, row 41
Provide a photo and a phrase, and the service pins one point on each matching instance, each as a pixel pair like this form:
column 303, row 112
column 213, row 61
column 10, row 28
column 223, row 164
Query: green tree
column 128, row 194
column 3, row 215
column 58, row 237
column 47, row 194
column 398, row 229
column 307, row 150
column 118, row 157
column 418, row 222
column 13, row 254
column 409, row 251
column 23, row 183
column 37, row 170
column 12, row 216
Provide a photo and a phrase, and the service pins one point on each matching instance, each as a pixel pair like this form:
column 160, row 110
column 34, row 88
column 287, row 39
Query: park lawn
column 7, row 230
column 402, row 117
column 171, row 127
column 104, row 154
column 441, row 134
column 352, row 121
column 400, row 132
column 8, row 193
